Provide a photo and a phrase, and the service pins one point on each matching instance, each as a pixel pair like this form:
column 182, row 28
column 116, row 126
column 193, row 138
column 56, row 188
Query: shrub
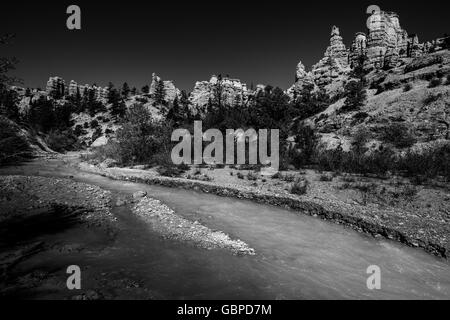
column 169, row 171
column 240, row 175
column 428, row 163
column 435, row 82
column 78, row 131
column 299, row 187
column 306, row 140
column 61, row 141
column 94, row 124
column 326, row 177
column 108, row 151
column 399, row 135
column 447, row 82
column 13, row 146
column 143, row 139
column 201, row 177
column 97, row 134
column 422, row 62
column 355, row 94
column 360, row 116
column 252, row 176
column 430, row 98
column 86, row 125
column 407, row 87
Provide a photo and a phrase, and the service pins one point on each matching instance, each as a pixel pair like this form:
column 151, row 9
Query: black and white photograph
column 240, row 153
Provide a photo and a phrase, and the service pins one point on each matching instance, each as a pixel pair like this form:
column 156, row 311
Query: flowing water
column 298, row 256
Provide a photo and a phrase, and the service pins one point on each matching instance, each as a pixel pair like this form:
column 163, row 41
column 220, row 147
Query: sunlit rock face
column 335, row 63
column 303, row 79
column 232, row 92
column 386, row 40
column 171, row 92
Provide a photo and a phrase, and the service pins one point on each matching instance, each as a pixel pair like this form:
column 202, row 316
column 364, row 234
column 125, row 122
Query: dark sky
column 257, row 41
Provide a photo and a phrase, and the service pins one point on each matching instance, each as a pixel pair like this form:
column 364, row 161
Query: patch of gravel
column 164, row 221
column 22, row 194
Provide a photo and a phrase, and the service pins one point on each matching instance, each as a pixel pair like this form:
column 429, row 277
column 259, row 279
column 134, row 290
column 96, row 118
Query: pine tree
column 159, row 94
column 355, row 96
column 145, row 89
column 125, row 90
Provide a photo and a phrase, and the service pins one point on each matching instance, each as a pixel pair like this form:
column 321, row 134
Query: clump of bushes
column 399, row 135
column 422, row 62
column 61, row 141
column 427, row 164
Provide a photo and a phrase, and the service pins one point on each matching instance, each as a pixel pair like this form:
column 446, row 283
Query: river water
column 297, row 256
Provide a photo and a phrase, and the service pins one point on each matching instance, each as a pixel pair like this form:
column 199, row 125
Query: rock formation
column 335, row 62
column 58, row 85
column 383, row 47
column 302, row 79
column 171, row 92
column 232, row 91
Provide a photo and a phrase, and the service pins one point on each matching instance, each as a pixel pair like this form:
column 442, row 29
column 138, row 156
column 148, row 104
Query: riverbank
column 417, row 219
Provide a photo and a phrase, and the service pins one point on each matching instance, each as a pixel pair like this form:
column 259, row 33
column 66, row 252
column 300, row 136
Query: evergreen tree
column 355, row 94
column 145, row 89
column 125, row 90
column 159, row 94
column 9, row 101
column 185, row 106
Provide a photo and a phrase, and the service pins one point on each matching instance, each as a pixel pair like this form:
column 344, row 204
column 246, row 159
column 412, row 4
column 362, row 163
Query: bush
column 430, row 98
column 422, row 62
column 142, row 138
column 94, row 124
column 78, row 131
column 429, row 163
column 240, row 175
column 299, row 187
column 407, row 87
column 399, row 135
column 435, row 82
column 169, row 171
column 13, row 146
column 252, row 176
column 355, row 94
column 61, row 141
column 326, row 177
column 97, row 134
